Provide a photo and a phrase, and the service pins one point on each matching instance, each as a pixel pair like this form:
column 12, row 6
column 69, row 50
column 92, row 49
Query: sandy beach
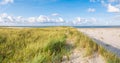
column 107, row 37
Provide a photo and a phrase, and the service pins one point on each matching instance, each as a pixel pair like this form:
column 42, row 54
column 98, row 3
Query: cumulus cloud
column 43, row 18
column 79, row 20
column 92, row 0
column 113, row 8
column 1, row 19
column 20, row 19
column 11, row 19
column 5, row 18
column 46, row 19
column 31, row 19
column 60, row 19
column 113, row 1
column 91, row 10
column 3, row 2
column 55, row 14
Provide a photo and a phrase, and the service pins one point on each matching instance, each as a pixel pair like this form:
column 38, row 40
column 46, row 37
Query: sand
column 107, row 37
column 77, row 55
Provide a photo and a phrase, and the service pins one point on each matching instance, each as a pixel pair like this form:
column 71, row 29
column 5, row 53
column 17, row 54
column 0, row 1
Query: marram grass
column 45, row 45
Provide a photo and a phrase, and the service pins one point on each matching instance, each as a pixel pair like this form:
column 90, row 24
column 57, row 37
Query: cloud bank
column 43, row 19
column 5, row 18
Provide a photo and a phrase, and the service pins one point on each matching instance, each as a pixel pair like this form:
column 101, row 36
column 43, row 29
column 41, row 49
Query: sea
column 64, row 26
column 96, row 26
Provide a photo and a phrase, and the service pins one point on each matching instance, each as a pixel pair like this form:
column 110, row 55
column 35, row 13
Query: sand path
column 78, row 56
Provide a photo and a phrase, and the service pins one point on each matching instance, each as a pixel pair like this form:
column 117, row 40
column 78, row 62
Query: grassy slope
column 45, row 45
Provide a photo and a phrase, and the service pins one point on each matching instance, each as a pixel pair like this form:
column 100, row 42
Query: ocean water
column 96, row 26
column 65, row 26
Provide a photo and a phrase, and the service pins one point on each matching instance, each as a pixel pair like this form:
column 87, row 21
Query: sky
column 59, row 12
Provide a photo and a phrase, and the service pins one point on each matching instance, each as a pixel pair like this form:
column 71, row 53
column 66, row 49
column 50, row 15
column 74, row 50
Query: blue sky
column 59, row 12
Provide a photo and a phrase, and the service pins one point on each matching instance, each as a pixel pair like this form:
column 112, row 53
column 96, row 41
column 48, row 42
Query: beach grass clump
column 108, row 56
column 52, row 52
column 32, row 44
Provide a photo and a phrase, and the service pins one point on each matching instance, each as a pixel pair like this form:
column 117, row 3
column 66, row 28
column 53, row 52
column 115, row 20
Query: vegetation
column 45, row 45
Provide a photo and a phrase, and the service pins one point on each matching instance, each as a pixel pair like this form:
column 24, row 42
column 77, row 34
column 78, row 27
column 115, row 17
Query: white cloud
column 5, row 18
column 103, row 3
column 43, row 18
column 113, row 1
column 20, row 19
column 55, row 14
column 10, row 18
column 92, row 0
column 60, row 19
column 31, row 19
column 1, row 20
column 3, row 2
column 112, row 8
column 79, row 20
column 46, row 19
column 91, row 10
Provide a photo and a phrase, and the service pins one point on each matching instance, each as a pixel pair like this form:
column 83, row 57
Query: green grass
column 32, row 45
column 45, row 45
